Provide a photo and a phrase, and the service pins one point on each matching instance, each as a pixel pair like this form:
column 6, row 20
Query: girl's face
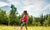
column 25, row 12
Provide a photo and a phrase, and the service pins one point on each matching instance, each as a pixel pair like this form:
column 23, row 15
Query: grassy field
column 18, row 28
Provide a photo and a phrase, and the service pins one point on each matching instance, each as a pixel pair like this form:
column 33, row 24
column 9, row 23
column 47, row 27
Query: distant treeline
column 13, row 19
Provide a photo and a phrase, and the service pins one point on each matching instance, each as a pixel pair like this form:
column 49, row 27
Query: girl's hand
column 21, row 19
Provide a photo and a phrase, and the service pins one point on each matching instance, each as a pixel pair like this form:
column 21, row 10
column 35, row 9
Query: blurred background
column 12, row 10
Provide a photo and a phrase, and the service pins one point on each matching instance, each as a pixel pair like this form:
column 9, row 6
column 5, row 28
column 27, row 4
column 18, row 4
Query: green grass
column 18, row 28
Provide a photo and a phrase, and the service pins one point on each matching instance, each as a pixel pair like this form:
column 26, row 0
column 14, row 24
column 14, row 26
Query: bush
column 45, row 23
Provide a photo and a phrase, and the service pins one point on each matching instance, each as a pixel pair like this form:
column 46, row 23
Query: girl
column 24, row 20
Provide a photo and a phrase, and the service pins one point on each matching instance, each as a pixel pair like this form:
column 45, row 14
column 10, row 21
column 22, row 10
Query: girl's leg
column 22, row 25
column 26, row 25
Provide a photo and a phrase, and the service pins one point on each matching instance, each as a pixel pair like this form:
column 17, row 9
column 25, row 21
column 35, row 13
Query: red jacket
column 25, row 19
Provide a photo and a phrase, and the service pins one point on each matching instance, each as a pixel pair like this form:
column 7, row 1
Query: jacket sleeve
column 24, row 19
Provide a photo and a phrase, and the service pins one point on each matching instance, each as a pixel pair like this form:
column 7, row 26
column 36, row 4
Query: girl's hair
column 25, row 12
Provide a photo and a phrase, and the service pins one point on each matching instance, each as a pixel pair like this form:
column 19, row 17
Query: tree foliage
column 3, row 17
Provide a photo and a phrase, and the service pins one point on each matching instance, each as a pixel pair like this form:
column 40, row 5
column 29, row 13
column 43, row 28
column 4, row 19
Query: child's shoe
column 21, row 29
column 26, row 29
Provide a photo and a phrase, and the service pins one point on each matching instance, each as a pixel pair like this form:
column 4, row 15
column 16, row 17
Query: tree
column 3, row 17
column 45, row 17
column 41, row 19
column 36, row 21
column 48, row 19
column 30, row 20
column 13, row 15
column 45, row 23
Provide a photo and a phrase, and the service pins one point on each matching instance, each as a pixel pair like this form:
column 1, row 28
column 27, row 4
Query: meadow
column 29, row 28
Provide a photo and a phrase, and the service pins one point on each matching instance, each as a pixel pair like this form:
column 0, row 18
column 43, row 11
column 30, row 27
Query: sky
column 33, row 7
